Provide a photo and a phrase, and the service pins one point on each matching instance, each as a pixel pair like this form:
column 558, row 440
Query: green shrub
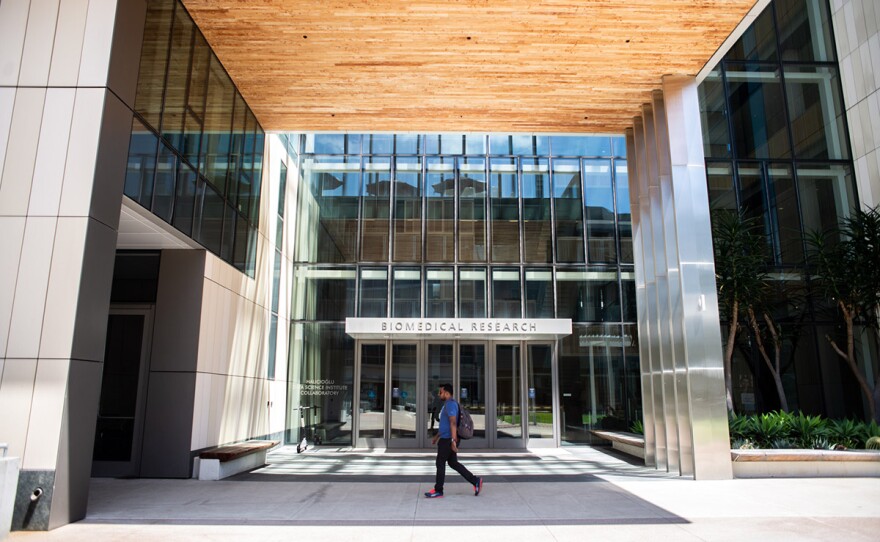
column 806, row 429
column 739, row 425
column 765, row 428
column 846, row 433
column 637, row 427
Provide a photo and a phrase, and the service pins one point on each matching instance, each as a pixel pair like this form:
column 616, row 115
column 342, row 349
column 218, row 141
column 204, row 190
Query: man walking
column 446, row 440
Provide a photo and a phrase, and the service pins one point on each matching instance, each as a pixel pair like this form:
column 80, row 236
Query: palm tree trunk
column 850, row 357
column 763, row 351
column 728, row 355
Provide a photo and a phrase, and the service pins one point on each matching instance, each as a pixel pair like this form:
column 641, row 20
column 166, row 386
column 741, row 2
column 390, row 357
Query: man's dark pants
column 446, row 455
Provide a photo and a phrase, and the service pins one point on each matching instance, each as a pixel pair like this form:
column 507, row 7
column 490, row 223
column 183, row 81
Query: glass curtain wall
column 463, row 226
column 196, row 149
column 776, row 147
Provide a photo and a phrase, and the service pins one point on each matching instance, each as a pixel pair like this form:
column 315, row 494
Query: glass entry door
column 405, row 398
column 508, row 418
column 370, row 427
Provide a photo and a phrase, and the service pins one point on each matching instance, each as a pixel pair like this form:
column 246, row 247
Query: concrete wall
column 66, row 85
column 856, row 25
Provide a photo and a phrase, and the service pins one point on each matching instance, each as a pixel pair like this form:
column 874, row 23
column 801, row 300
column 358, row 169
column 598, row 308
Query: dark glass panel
column 816, row 112
column 195, row 101
column 404, row 390
column 472, row 361
column 591, row 382
column 328, row 210
column 322, row 353
column 240, row 246
column 322, row 293
column 804, row 30
column 374, row 293
column 753, row 199
column 377, row 202
column 333, row 143
column 599, row 211
column 174, row 111
column 440, row 293
column 504, row 199
column 526, row 145
column 185, row 198
column 472, row 293
column 722, row 192
column 218, row 122
column 371, row 410
column 827, row 195
column 135, row 277
column 259, row 142
column 569, row 211
column 758, row 42
column 571, row 294
column 540, row 397
column 472, row 210
column 211, row 220
column 236, row 147
column 758, row 112
column 713, row 114
column 537, row 236
column 506, row 293
column 786, row 218
column 508, row 392
column 624, row 215
column 228, row 240
column 628, row 285
column 445, row 144
column 408, row 210
column 245, row 171
column 539, row 293
column 154, row 58
column 166, row 171
column 406, row 291
column 440, row 224
column 141, row 164
column 580, row 146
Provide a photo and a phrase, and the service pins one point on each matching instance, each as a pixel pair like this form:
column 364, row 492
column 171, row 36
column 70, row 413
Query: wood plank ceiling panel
column 544, row 66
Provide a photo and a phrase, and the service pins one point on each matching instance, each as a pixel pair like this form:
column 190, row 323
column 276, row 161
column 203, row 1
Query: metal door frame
column 132, row 467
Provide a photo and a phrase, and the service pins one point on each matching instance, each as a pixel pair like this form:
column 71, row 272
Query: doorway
column 508, row 388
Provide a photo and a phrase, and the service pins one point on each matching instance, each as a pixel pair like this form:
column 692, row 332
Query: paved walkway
column 539, row 495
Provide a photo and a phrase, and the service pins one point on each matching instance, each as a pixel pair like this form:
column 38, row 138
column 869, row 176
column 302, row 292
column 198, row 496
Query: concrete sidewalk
column 537, row 495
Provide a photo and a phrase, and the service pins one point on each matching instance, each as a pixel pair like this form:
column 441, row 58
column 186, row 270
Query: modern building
column 228, row 220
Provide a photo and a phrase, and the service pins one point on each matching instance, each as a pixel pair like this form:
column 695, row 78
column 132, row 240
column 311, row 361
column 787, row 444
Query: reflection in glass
column 406, row 288
column 445, row 143
column 508, row 394
column 154, row 58
column 599, row 210
column 321, row 293
column 166, row 173
column 713, row 113
column 504, row 194
column 328, row 210
column 440, row 293
column 211, row 219
column 332, row 143
column 539, row 293
column 322, row 378
column 628, row 287
column 526, row 145
column 758, row 42
column 218, row 115
column 439, row 373
column 374, row 293
column 377, row 200
column 537, row 236
column 569, row 211
column 590, row 379
column 404, row 394
column 540, row 394
column 371, row 411
column 506, row 293
column 753, row 201
column 827, row 195
column 758, row 112
column 722, row 193
column 472, row 392
column 624, row 214
column 141, row 164
column 472, row 210
column 174, row 109
column 440, row 224
column 184, row 199
column 195, row 100
column 804, row 30
column 471, row 293
column 788, row 240
column 580, row 146
column 816, row 112
column 408, row 210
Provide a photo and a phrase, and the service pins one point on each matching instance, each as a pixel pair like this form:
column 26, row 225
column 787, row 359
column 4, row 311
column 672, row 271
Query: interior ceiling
column 539, row 66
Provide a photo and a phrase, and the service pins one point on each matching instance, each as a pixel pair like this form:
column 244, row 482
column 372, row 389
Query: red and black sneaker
column 434, row 494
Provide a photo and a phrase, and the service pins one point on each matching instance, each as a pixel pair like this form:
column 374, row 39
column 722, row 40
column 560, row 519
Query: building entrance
column 508, row 388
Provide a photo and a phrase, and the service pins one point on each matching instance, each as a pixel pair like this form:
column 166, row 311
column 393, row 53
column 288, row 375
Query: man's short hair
column 447, row 388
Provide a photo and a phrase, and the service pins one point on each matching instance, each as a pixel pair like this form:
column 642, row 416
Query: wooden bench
column 628, row 443
column 225, row 461
column 767, row 463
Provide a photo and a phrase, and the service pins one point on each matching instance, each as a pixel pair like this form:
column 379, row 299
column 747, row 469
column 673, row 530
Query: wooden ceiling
column 540, row 66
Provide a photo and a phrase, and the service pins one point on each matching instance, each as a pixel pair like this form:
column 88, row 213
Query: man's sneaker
column 434, row 494
column 478, row 487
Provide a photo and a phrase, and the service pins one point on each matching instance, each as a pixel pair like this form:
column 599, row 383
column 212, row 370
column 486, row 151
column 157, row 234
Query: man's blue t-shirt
column 450, row 408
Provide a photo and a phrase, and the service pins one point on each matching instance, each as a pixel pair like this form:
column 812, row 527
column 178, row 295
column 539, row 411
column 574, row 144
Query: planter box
column 805, row 463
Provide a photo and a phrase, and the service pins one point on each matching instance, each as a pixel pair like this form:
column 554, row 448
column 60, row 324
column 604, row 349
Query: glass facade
column 468, row 226
column 196, row 149
column 776, row 149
